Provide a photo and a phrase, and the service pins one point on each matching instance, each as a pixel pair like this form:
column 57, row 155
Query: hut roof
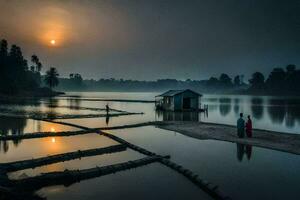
column 171, row 93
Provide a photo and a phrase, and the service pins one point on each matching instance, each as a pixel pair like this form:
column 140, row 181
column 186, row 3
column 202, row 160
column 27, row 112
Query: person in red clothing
column 249, row 127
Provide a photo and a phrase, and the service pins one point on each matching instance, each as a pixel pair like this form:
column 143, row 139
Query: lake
column 240, row 171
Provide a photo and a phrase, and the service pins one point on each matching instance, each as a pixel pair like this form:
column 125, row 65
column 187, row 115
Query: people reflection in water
column 107, row 120
column 248, row 151
column 240, row 150
column 243, row 149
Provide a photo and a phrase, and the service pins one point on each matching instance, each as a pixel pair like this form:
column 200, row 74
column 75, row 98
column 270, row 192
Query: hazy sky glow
column 155, row 39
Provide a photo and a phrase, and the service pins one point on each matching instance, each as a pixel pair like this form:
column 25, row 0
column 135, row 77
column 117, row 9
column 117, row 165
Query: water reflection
column 107, row 120
column 292, row 114
column 281, row 110
column 272, row 113
column 241, row 150
column 178, row 116
column 236, row 107
column 28, row 102
column 13, row 126
column 19, row 126
column 52, row 104
column 225, row 106
column 74, row 103
column 257, row 108
column 276, row 110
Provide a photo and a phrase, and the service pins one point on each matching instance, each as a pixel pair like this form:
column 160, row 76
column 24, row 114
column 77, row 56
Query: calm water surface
column 242, row 172
column 271, row 113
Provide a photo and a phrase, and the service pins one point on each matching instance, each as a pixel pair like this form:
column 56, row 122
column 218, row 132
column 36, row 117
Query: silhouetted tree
column 237, row 80
column 257, row 81
column 36, row 61
column 3, row 63
column 225, row 80
column 291, row 79
column 213, row 81
column 76, row 79
column 14, row 73
column 51, row 78
column 276, row 80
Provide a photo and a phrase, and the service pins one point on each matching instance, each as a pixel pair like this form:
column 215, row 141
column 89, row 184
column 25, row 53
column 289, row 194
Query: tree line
column 222, row 84
column 279, row 82
column 17, row 76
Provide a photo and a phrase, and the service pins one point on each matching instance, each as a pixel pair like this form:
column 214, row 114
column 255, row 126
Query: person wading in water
column 249, row 127
column 107, row 109
column 240, row 126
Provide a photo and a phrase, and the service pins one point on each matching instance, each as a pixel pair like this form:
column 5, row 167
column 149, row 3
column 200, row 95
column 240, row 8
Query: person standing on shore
column 240, row 126
column 249, row 127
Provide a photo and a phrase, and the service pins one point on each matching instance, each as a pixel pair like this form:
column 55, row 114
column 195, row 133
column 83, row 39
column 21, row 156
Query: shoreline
column 43, row 93
column 286, row 142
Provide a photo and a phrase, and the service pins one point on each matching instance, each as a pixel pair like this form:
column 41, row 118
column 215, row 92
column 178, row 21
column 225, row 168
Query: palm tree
column 51, row 78
column 39, row 66
column 36, row 61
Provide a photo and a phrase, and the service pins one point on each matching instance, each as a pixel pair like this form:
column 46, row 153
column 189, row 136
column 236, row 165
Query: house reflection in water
column 178, row 116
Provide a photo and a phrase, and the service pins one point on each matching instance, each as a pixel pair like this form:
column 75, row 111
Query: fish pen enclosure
column 26, row 187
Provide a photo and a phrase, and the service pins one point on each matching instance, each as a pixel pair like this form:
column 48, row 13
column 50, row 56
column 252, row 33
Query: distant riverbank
column 267, row 139
column 40, row 92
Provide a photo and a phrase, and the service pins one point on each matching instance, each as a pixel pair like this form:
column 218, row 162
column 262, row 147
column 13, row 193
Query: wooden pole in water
column 69, row 177
column 25, row 164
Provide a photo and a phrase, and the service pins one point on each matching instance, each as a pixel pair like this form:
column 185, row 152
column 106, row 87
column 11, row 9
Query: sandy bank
column 267, row 139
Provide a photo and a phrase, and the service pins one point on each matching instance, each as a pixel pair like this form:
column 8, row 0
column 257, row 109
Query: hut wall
column 177, row 102
column 194, row 99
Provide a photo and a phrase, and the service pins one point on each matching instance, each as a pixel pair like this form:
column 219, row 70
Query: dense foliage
column 51, row 78
column 15, row 74
column 14, row 71
column 279, row 82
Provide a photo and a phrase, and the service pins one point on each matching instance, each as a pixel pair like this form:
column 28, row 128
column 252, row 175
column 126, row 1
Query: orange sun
column 53, row 42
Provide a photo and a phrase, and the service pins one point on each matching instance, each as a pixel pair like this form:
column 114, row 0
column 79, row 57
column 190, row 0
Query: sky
column 152, row 39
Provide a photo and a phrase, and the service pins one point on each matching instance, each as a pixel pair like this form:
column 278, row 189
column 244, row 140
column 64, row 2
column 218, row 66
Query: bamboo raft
column 112, row 100
column 33, row 163
column 37, row 135
column 87, row 108
column 53, row 116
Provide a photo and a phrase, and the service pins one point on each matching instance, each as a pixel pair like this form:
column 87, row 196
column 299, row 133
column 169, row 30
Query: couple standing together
column 241, row 126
